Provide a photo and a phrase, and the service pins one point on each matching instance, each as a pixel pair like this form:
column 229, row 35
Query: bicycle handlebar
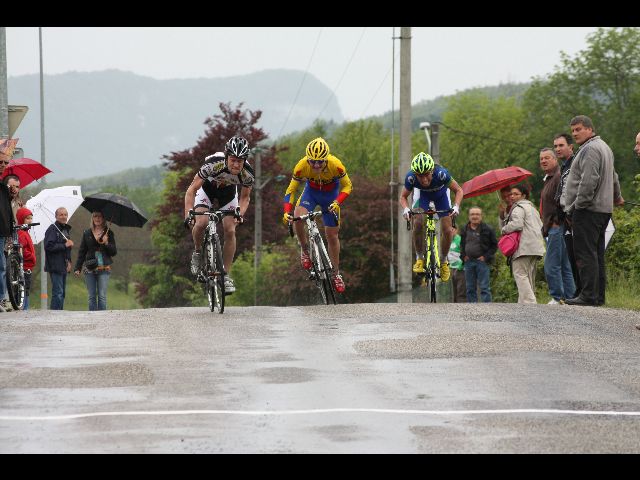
column 25, row 226
column 218, row 214
column 430, row 213
column 311, row 215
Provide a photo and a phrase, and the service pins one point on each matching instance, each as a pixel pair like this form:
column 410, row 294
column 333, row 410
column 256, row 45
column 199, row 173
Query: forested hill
column 103, row 122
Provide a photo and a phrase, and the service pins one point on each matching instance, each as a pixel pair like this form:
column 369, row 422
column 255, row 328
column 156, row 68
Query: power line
column 377, row 90
column 301, row 83
column 343, row 74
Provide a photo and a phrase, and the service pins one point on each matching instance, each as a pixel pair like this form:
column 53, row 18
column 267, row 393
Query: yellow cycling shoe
column 445, row 273
column 418, row 267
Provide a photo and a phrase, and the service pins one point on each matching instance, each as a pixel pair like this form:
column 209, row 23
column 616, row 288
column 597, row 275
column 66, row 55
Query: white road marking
column 317, row 411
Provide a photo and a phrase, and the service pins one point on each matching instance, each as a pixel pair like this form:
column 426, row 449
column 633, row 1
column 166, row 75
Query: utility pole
column 43, row 275
column 258, row 223
column 4, row 93
column 392, row 182
column 405, row 294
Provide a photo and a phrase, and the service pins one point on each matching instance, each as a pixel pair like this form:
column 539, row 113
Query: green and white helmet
column 422, row 163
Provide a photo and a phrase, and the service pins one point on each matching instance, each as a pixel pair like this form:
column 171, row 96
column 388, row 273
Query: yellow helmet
column 318, row 149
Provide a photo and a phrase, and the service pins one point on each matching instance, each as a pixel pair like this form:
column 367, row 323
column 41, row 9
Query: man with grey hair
column 57, row 256
column 592, row 190
column 557, row 268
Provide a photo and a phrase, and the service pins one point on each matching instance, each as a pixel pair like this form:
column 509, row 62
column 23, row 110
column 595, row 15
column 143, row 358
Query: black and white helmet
column 238, row 147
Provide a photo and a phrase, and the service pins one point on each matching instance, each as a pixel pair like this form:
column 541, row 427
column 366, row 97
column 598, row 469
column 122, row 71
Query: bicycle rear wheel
column 327, row 278
column 15, row 281
column 215, row 277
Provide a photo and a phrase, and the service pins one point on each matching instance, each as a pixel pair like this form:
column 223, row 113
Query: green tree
column 601, row 82
column 167, row 281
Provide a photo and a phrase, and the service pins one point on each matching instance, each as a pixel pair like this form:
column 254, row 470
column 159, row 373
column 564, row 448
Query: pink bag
column 509, row 243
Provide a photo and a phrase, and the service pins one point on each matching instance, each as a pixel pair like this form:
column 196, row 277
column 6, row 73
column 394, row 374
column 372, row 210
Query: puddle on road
column 285, row 375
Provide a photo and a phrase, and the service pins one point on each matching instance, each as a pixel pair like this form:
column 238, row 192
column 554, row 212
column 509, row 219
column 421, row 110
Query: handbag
column 509, row 243
column 91, row 264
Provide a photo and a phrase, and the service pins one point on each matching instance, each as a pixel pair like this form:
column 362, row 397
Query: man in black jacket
column 57, row 256
column 478, row 246
column 6, row 225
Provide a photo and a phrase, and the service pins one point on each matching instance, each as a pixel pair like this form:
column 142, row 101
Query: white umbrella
column 608, row 233
column 44, row 206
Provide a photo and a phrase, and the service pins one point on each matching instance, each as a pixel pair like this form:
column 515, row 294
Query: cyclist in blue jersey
column 434, row 182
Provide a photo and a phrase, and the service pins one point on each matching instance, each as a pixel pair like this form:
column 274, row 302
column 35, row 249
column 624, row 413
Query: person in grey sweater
column 591, row 191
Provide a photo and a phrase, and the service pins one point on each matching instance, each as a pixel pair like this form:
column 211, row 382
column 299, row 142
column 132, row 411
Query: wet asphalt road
column 369, row 378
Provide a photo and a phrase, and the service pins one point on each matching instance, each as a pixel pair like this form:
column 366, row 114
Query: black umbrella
column 115, row 208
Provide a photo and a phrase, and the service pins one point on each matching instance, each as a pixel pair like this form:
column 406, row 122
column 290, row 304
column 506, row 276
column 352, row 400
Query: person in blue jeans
column 57, row 256
column 95, row 257
column 557, row 266
column 478, row 245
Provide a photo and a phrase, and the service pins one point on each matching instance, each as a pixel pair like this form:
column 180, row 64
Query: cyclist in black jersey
column 219, row 178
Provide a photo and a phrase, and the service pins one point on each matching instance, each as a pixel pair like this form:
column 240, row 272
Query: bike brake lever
column 290, row 229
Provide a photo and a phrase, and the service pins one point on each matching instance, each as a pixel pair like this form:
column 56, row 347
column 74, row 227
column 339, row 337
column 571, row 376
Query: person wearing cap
column 25, row 216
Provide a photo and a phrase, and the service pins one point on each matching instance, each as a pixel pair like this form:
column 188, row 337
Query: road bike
column 212, row 273
column 321, row 272
column 431, row 255
column 15, row 267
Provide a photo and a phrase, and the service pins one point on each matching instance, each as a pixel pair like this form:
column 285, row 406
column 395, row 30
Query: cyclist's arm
column 459, row 193
column 245, row 197
column 190, row 195
column 290, row 194
column 346, row 187
column 404, row 195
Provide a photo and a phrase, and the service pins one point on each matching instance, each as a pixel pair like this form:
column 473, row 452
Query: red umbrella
column 494, row 180
column 26, row 169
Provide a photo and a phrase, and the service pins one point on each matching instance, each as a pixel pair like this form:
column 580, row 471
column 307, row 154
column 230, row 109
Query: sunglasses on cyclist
column 317, row 162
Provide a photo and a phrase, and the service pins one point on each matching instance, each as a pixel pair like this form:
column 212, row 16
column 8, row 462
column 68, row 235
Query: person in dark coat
column 478, row 247
column 57, row 256
column 6, row 226
column 97, row 248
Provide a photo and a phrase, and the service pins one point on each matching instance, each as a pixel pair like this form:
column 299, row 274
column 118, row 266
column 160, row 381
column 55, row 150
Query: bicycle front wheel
column 15, row 281
column 215, row 277
column 327, row 278
column 432, row 278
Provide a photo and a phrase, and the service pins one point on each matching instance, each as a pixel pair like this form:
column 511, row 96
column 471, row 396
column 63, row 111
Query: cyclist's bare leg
column 198, row 228
column 300, row 228
column 333, row 243
column 418, row 235
column 229, row 249
column 446, row 235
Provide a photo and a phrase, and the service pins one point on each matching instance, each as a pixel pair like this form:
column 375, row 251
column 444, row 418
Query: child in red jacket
column 24, row 215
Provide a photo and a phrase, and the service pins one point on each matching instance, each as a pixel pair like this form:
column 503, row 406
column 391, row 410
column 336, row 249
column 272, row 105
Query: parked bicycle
column 212, row 273
column 431, row 256
column 321, row 272
column 15, row 267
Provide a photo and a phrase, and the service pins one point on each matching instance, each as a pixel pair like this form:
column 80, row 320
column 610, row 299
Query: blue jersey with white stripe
column 441, row 180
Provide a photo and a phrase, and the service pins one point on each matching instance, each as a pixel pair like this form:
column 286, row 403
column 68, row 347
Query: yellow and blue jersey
column 334, row 174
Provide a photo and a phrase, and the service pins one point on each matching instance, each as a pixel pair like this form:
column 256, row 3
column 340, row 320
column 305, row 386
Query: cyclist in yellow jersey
column 328, row 185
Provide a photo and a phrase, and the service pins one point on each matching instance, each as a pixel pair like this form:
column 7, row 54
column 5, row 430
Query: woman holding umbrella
column 97, row 248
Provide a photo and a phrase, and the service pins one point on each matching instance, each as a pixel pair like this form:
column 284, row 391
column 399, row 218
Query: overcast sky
column 355, row 62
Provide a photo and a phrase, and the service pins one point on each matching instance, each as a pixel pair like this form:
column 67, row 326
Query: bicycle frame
column 213, row 272
column 431, row 254
column 15, row 268
column 322, row 271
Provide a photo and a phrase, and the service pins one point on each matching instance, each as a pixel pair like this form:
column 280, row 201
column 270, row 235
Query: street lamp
column 426, row 126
